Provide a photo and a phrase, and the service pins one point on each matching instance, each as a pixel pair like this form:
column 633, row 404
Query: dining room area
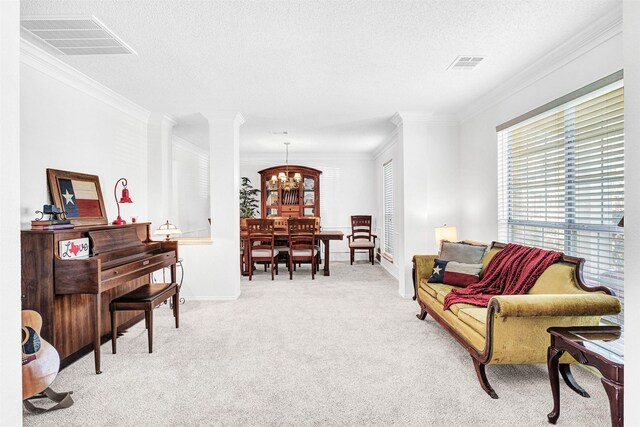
column 281, row 227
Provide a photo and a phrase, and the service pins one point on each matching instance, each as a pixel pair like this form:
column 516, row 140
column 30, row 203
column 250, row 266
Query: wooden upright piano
column 73, row 295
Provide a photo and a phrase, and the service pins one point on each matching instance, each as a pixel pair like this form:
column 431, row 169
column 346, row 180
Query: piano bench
column 146, row 298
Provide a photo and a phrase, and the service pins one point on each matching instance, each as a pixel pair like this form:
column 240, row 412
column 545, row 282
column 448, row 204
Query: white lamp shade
column 167, row 229
column 281, row 176
column 445, row 232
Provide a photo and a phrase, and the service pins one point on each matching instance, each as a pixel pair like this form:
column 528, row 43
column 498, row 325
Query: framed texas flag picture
column 78, row 195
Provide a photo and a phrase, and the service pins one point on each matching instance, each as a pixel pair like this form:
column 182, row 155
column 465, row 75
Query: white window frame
column 568, row 225
column 388, row 223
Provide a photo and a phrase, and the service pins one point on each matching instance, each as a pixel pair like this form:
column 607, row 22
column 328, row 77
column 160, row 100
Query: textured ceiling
column 330, row 73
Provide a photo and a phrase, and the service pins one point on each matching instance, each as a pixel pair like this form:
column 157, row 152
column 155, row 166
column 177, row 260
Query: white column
column 631, row 35
column 10, row 305
column 429, row 183
column 224, row 143
column 160, row 159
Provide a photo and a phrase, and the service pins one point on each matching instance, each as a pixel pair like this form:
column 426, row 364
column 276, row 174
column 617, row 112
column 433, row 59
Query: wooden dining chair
column 260, row 241
column 281, row 244
column 244, row 259
column 302, row 240
column 318, row 228
column 361, row 237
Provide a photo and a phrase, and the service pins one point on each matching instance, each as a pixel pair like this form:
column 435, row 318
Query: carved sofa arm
column 517, row 324
column 422, row 269
column 591, row 304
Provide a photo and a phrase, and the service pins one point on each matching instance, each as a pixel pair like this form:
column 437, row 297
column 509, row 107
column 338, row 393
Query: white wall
column 68, row 124
column 478, row 143
column 347, row 187
column 71, row 122
column 10, row 322
column 632, row 208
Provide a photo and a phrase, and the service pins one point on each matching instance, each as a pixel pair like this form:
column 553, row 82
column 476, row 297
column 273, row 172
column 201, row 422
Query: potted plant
column 248, row 201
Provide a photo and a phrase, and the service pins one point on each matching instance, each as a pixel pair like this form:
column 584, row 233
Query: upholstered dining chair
column 302, row 244
column 360, row 238
column 260, row 240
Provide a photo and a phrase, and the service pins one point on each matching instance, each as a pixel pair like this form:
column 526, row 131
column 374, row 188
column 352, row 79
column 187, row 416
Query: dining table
column 325, row 236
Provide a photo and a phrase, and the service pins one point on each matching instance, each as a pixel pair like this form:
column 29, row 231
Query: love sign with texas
column 73, row 249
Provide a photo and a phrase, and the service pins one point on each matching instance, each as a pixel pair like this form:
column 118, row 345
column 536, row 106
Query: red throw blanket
column 512, row 271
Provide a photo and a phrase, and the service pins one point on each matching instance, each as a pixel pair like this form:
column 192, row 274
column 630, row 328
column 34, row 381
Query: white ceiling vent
column 75, row 35
column 467, row 62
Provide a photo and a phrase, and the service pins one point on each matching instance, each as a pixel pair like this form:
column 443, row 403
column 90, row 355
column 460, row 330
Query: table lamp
column 449, row 233
column 123, row 199
column 167, row 229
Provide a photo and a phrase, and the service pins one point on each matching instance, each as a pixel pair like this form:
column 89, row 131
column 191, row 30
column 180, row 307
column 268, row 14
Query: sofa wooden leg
column 422, row 315
column 482, row 377
column 567, row 376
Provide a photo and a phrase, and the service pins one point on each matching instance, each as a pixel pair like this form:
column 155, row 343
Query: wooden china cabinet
column 291, row 201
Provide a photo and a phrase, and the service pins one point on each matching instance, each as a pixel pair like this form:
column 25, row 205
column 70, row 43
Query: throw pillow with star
column 455, row 273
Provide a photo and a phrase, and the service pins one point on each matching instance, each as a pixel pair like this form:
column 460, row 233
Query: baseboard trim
column 213, row 298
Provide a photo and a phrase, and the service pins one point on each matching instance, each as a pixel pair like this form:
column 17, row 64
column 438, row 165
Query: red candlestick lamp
column 123, row 199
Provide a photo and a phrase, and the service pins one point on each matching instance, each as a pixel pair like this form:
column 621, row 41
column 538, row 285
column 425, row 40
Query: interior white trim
column 389, row 142
column 190, row 146
column 251, row 157
column 603, row 29
column 435, row 119
column 396, row 119
column 212, row 298
column 46, row 63
column 173, row 121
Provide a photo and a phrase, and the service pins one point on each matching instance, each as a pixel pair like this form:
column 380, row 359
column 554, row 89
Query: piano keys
column 73, row 296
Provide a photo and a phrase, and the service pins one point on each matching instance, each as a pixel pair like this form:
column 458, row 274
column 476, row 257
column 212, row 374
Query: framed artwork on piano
column 78, row 195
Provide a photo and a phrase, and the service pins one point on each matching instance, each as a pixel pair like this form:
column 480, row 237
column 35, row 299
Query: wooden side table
column 594, row 346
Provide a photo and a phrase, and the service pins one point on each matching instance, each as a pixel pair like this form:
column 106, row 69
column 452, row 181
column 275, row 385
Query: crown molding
column 173, row 121
column 239, row 120
column 223, row 117
column 160, row 119
column 413, row 117
column 605, row 28
column 253, row 157
column 389, row 142
column 431, row 119
column 396, row 119
column 46, row 63
column 188, row 145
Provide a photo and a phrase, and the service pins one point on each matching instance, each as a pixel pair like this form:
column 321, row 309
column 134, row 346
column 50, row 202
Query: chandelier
column 287, row 182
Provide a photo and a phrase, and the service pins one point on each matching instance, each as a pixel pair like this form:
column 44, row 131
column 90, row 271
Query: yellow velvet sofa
column 513, row 328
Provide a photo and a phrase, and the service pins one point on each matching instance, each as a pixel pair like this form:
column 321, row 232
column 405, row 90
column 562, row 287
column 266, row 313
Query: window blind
column 387, row 188
column 561, row 183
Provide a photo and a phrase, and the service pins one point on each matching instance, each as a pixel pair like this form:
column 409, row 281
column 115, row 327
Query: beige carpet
column 339, row 350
